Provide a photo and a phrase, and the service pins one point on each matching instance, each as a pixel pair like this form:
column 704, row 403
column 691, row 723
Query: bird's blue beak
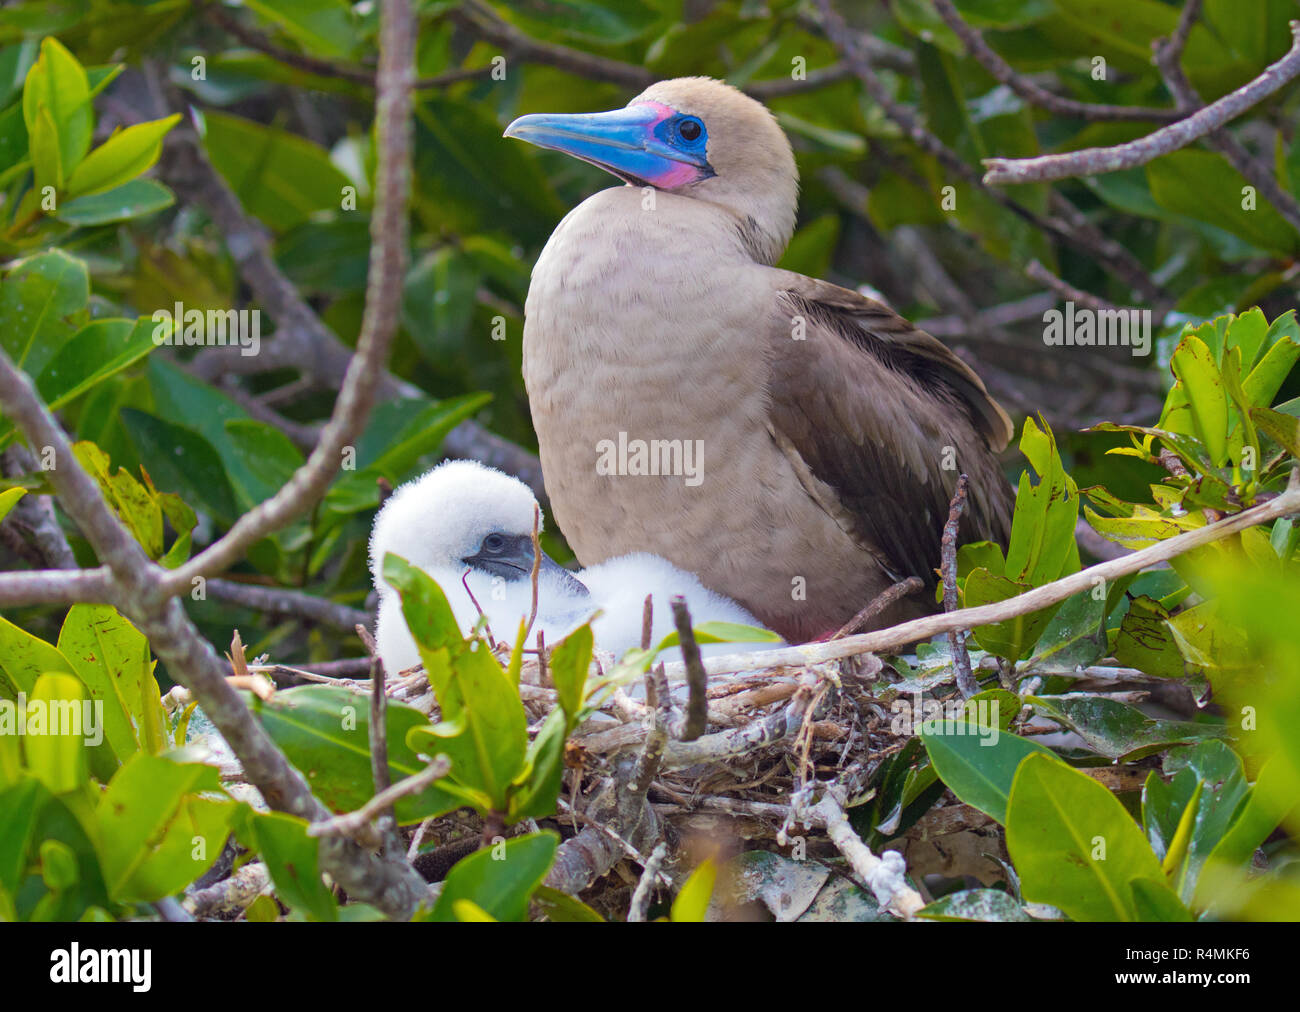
column 636, row 144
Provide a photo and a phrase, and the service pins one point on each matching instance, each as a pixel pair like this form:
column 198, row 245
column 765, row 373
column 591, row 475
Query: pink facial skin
column 678, row 173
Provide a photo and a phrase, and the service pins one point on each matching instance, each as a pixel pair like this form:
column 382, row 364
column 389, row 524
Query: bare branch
column 884, row 640
column 697, row 705
column 966, row 683
column 290, row 603
column 1168, row 53
column 1094, row 161
column 1004, row 73
column 55, row 586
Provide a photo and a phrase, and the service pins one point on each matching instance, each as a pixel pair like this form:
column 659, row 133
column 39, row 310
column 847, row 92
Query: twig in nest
column 357, row 824
column 697, row 682
column 258, row 684
column 378, row 717
column 641, row 897
column 537, row 566
column 884, row 875
column 878, row 604
column 956, row 637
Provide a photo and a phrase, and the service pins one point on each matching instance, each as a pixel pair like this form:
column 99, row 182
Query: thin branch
column 1094, row 161
column 878, row 604
column 356, row 823
column 1004, row 73
column 855, row 54
column 1067, row 291
column 326, row 68
column 640, row 905
column 290, row 603
column 388, row 259
column 55, row 586
column 884, row 875
column 1168, row 53
column 966, row 683
column 697, row 703
column 884, row 640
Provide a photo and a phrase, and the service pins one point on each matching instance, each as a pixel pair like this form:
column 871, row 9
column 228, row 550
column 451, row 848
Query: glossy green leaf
column 122, row 203
column 293, row 860
column 57, row 84
column 1117, row 730
column 325, row 733
column 978, row 765
column 1073, row 844
column 126, row 154
column 56, row 732
column 499, row 879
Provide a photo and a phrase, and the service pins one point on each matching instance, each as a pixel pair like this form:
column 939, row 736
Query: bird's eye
column 494, row 543
column 690, row 129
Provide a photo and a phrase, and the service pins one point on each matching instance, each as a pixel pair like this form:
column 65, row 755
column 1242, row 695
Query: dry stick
column 357, row 823
column 537, row 568
column 1004, row 73
column 55, row 586
column 1110, row 254
column 883, row 640
column 325, row 68
column 883, row 875
column 480, row 20
column 1168, row 53
column 878, row 604
column 697, row 700
column 1037, row 272
column 291, row 603
column 378, row 717
column 140, row 591
column 640, row 905
column 966, row 683
column 1094, row 161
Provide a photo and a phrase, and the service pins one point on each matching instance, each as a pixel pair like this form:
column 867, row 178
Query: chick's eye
column 494, row 542
column 690, row 129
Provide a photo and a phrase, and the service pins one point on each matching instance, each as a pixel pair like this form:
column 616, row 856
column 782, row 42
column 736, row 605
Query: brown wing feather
column 868, row 404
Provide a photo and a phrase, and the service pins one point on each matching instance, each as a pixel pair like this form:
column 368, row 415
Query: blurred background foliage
column 278, row 92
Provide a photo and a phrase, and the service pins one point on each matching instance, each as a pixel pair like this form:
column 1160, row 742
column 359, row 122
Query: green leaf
column 1144, row 640
column 568, row 667
column 55, row 740
column 24, row 658
column 93, row 354
column 280, row 178
column 1265, row 379
column 180, row 460
column 1196, row 370
column 692, row 901
column 111, row 657
column 148, row 820
column 499, row 879
column 9, row 499
column 323, row 27
column 1117, row 730
column 293, row 860
column 57, row 84
column 126, row 154
column 1203, row 186
column 1153, row 900
column 325, row 732
column 977, row 764
column 1073, row 844
column 122, row 203
column 42, row 303
column 47, row 160
column 975, row 905
column 562, row 908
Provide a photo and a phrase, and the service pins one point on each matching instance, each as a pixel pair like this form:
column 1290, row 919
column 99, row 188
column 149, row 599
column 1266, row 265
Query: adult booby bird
column 824, row 432
column 470, row 528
